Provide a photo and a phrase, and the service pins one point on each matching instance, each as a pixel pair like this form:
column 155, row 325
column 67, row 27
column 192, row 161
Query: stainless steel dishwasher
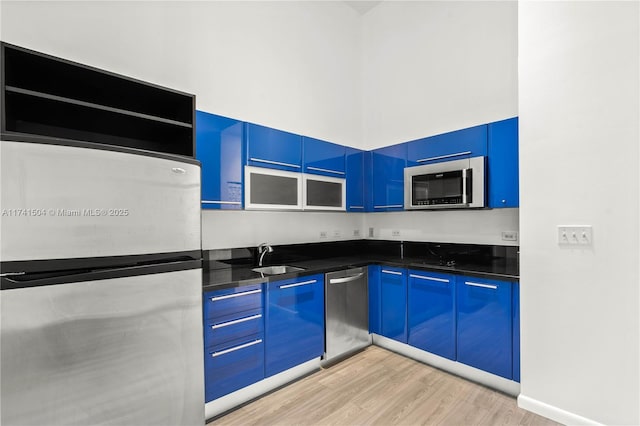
column 346, row 313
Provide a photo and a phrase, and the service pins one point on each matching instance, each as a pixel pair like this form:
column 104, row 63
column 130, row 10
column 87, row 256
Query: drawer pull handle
column 440, row 280
column 236, row 348
column 238, row 321
column 440, row 157
column 231, row 296
column 298, row 284
column 356, row 207
column 277, row 163
column 318, row 169
column 492, row 287
column 389, row 206
column 385, row 271
column 234, row 203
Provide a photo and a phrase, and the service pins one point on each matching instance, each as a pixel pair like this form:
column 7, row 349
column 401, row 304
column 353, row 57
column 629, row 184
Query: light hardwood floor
column 379, row 387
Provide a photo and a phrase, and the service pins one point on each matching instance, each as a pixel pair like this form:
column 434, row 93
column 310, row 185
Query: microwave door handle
column 467, row 175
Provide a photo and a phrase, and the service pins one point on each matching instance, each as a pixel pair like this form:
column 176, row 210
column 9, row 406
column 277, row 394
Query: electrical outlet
column 576, row 235
column 356, row 232
column 395, row 233
column 336, row 233
column 323, row 234
column 509, row 236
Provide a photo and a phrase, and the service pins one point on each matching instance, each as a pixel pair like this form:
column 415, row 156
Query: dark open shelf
column 48, row 97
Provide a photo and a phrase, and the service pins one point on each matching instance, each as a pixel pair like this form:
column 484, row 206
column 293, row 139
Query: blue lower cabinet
column 516, row 332
column 228, row 369
column 393, row 303
column 432, row 313
column 374, row 299
column 294, row 331
column 233, row 339
column 485, row 325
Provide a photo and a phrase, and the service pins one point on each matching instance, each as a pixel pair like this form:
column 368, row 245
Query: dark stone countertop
column 241, row 274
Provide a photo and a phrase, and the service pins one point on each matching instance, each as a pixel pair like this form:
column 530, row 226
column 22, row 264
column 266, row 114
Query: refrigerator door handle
column 36, row 279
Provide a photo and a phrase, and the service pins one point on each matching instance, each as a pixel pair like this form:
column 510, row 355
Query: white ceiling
column 362, row 7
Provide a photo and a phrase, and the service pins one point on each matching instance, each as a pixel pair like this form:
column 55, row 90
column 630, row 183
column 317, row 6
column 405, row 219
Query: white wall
column 288, row 65
column 579, row 150
column 431, row 67
column 230, row 229
column 470, row 227
column 299, row 66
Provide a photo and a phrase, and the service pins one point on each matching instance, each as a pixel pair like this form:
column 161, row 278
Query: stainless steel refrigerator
column 100, row 258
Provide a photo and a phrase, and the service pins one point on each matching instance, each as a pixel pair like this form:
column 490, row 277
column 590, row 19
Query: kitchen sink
column 277, row 270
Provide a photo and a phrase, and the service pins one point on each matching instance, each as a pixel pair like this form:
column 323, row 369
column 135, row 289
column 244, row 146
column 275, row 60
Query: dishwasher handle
column 346, row 279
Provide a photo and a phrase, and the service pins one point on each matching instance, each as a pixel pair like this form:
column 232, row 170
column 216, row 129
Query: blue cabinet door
column 228, row 369
column 432, row 313
column 516, row 332
column 465, row 143
column 295, row 322
column 276, row 149
column 368, row 181
column 484, row 325
column 388, row 165
column 374, row 299
column 503, row 170
column 393, row 303
column 323, row 158
column 355, row 180
column 219, row 148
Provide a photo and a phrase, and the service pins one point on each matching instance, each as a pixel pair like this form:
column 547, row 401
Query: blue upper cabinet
column 465, row 143
column 388, row 165
column 485, row 332
column 323, row 158
column 503, row 174
column 432, row 313
column 355, row 180
column 276, row 149
column 219, row 147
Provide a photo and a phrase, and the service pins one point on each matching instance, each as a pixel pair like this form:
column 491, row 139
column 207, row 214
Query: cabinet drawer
column 217, row 333
column 232, row 368
column 233, row 303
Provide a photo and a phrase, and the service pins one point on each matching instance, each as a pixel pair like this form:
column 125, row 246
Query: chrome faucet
column 263, row 249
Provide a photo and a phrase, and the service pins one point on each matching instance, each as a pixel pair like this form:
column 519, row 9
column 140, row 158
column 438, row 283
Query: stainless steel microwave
column 445, row 185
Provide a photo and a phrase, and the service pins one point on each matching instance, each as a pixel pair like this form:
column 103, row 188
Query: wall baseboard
column 554, row 413
column 473, row 374
column 242, row 396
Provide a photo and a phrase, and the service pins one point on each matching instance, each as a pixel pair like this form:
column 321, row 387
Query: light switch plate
column 575, row 235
